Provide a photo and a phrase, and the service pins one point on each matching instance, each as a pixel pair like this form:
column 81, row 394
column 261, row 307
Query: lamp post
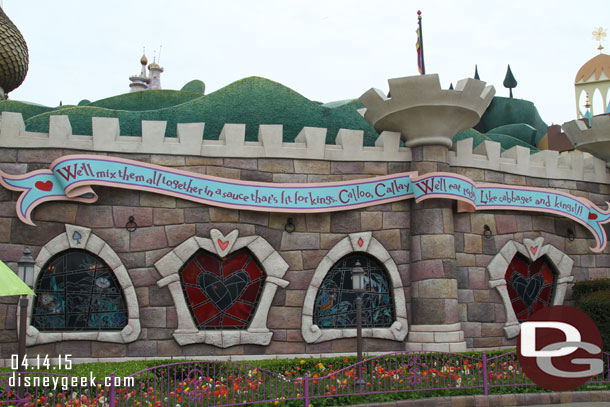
column 358, row 287
column 25, row 271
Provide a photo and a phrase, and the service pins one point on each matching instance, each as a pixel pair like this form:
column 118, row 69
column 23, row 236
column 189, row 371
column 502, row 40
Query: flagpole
column 421, row 43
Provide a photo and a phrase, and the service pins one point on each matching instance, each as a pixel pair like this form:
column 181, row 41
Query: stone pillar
column 434, row 319
column 428, row 118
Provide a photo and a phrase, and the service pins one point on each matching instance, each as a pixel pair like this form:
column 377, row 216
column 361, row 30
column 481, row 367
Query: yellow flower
column 302, row 362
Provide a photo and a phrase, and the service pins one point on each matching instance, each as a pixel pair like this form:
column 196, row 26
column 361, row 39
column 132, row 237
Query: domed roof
column 596, row 65
column 13, row 55
column 144, row 60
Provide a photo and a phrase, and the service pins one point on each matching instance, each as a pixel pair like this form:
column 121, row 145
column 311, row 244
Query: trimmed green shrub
column 146, row 100
column 593, row 298
column 27, row 110
column 582, row 288
column 504, row 111
column 194, row 86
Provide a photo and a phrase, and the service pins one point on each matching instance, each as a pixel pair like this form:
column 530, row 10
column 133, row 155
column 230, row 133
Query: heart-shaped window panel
column 530, row 285
column 222, row 293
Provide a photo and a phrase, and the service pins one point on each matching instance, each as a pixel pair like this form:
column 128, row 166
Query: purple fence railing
column 215, row 383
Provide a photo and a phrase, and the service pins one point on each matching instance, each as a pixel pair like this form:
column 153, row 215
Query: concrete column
column 434, row 319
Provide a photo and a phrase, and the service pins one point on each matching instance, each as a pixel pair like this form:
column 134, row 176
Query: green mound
column 477, row 137
column 503, row 111
column 27, row 110
column 146, row 100
column 252, row 101
column 194, row 86
column 521, row 131
column 509, row 142
column 84, row 102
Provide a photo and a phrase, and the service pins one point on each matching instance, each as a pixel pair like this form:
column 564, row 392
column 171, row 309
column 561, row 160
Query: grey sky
column 326, row 50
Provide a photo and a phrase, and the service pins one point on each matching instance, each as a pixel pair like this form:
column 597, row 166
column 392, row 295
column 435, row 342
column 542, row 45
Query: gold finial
column 599, row 35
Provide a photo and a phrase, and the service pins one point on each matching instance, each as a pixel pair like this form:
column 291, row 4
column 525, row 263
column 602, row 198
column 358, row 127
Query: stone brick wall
column 481, row 310
column 164, row 222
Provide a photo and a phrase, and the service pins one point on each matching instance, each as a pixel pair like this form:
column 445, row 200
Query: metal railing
column 225, row 383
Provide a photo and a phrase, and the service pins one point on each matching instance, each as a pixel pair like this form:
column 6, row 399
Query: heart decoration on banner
column 44, row 186
column 223, row 244
column 534, row 247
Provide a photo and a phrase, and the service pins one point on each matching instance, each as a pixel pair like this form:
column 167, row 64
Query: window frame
column 364, row 243
column 274, row 266
column 79, row 237
column 497, row 267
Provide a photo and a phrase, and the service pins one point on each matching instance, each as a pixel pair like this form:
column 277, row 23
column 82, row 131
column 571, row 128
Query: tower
column 155, row 75
column 594, row 76
column 140, row 82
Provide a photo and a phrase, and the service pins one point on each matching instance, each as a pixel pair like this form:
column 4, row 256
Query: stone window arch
column 532, row 251
column 273, row 265
column 356, row 243
column 81, row 239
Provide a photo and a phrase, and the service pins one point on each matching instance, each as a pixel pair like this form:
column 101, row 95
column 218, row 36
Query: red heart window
column 222, row 293
column 530, row 285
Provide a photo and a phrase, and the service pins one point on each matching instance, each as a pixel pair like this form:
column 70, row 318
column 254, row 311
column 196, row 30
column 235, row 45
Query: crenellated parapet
column 423, row 112
column 310, row 143
column 519, row 160
column 595, row 139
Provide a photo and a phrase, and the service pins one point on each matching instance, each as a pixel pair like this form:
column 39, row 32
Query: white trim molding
column 531, row 249
column 273, row 264
column 355, row 243
column 78, row 237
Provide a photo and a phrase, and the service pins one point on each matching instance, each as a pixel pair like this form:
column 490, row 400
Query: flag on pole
column 418, row 48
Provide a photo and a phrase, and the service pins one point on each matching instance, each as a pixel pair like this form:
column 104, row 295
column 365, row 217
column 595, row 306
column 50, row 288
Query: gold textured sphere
column 144, row 60
column 13, row 55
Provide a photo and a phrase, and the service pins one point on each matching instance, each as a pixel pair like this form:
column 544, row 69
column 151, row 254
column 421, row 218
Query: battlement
column 519, row 160
column 310, row 143
column 417, row 103
column 594, row 139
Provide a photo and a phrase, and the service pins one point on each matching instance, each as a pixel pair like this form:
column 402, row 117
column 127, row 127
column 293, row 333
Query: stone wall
column 165, row 222
column 408, row 231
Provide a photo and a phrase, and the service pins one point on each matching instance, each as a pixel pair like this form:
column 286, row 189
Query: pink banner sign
column 72, row 177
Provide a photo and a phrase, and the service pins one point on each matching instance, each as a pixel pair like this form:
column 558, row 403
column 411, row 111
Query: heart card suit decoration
column 44, row 186
column 223, row 244
column 529, row 284
column 534, row 247
column 222, row 292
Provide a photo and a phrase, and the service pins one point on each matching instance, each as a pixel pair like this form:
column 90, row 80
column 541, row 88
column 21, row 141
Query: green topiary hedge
column 593, row 298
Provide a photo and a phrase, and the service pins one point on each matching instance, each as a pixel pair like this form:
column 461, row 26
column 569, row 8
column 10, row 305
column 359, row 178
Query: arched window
column 335, row 305
column 77, row 291
column 222, row 293
column 530, row 285
column 537, row 275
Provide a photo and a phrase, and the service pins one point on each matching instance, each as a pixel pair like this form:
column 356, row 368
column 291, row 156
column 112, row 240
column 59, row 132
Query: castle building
column 143, row 81
column 196, row 238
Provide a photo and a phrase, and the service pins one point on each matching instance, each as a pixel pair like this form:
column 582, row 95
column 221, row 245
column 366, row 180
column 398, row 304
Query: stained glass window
column 530, row 285
column 77, row 291
column 335, row 305
column 222, row 293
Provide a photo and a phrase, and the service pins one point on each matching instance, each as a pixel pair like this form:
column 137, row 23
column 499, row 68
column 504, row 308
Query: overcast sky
column 326, row 50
